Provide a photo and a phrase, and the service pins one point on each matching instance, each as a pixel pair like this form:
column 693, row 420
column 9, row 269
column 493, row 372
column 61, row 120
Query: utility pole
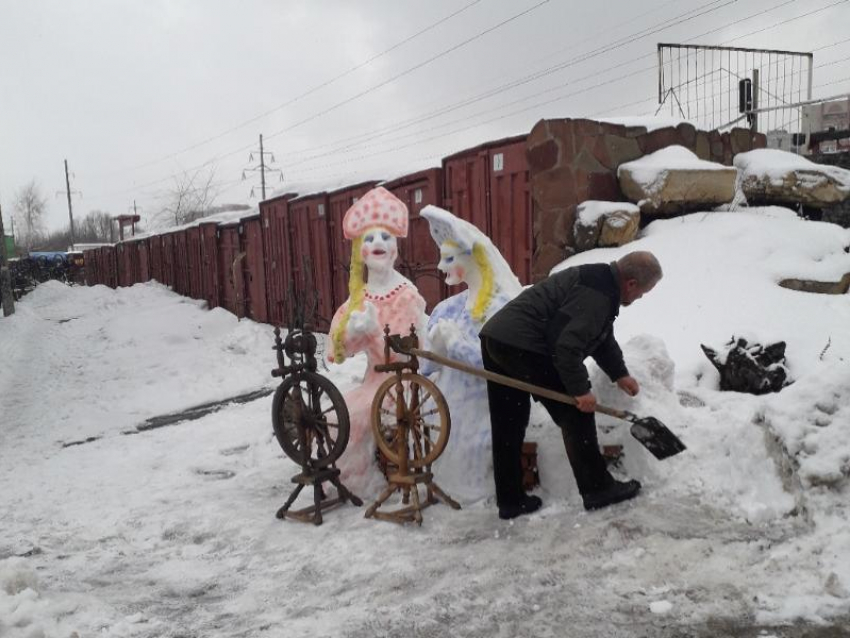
column 70, row 209
column 5, row 276
column 68, row 192
column 262, row 168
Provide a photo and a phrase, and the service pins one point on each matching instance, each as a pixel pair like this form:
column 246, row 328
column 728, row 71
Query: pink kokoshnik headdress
column 378, row 207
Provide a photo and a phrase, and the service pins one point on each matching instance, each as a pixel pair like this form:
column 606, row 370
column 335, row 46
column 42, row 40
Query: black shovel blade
column 656, row 437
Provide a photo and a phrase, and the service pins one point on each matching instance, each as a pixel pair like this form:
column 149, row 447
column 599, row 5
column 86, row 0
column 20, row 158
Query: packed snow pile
column 23, row 610
column 172, row 531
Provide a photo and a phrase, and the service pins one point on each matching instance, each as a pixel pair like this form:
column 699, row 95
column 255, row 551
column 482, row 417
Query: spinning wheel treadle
column 311, row 423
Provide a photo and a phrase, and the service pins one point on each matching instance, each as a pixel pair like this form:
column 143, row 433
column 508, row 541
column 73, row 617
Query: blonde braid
column 356, row 295
column 485, row 294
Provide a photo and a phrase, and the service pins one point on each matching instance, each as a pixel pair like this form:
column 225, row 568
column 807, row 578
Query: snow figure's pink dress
column 399, row 308
column 372, row 223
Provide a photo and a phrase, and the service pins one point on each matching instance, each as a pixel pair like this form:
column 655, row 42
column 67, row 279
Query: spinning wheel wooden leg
column 417, row 507
column 433, row 488
column 344, row 494
column 281, row 513
column 383, row 497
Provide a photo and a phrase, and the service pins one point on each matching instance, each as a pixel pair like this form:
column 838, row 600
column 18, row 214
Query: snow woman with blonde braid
column 467, row 256
column 377, row 295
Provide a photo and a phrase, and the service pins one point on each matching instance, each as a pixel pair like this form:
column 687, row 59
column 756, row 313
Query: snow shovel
column 649, row 431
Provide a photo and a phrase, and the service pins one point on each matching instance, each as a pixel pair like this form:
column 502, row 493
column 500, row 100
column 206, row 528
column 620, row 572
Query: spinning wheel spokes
column 417, row 403
column 310, row 420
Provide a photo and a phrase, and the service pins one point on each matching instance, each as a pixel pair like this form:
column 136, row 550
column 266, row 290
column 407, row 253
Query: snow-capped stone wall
column 575, row 160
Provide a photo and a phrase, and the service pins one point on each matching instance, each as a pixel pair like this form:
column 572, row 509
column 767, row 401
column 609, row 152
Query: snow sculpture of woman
column 385, row 297
column 467, row 256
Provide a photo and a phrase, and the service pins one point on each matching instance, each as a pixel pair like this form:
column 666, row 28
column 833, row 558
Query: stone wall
column 572, row 161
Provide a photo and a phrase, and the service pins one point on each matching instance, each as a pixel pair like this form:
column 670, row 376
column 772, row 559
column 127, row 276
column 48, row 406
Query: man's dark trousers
column 509, row 414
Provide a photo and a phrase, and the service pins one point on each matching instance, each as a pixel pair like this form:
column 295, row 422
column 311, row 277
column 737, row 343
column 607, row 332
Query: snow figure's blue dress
column 465, row 469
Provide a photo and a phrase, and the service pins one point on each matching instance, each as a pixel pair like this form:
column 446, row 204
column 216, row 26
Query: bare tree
column 29, row 207
column 191, row 198
column 95, row 227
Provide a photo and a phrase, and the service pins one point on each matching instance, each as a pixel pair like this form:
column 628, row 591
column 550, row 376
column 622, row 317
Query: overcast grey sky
column 123, row 88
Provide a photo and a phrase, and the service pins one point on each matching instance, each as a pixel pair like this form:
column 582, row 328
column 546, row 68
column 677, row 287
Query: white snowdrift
column 172, row 531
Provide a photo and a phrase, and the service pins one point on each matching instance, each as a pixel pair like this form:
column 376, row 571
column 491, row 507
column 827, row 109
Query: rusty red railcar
column 209, row 263
column 124, row 262
column 144, row 260
column 90, row 260
column 155, row 246
column 488, row 186
column 100, row 273
column 278, row 252
column 312, row 258
column 109, row 266
column 194, row 262
column 167, row 255
column 230, row 269
column 339, row 201
column 418, row 254
column 181, row 262
column 253, row 268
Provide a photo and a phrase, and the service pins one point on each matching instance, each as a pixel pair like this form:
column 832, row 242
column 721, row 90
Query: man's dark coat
column 568, row 316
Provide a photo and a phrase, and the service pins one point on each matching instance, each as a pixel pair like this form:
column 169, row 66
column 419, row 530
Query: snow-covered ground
column 171, row 532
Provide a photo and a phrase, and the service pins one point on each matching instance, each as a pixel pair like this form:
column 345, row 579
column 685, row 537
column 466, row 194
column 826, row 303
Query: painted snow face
column 379, row 249
column 454, row 263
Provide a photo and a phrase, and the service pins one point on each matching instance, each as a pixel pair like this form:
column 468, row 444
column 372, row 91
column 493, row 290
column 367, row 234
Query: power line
column 685, row 17
column 561, row 97
column 536, row 76
column 316, row 88
column 374, row 87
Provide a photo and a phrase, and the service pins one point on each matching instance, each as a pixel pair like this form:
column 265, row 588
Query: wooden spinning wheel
column 414, row 400
column 310, row 420
column 311, row 423
column 411, row 424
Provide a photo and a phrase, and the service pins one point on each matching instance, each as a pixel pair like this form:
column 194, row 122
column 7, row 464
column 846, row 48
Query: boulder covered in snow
column 750, row 367
column 770, row 176
column 605, row 224
column 674, row 180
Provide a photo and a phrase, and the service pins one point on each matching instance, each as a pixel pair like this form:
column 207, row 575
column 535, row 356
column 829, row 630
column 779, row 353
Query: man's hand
column 628, row 385
column 586, row 402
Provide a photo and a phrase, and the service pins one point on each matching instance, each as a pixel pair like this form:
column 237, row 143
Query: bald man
column 543, row 337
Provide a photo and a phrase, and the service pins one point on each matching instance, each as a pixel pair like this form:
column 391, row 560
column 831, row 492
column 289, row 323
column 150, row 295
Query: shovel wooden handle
column 513, row 383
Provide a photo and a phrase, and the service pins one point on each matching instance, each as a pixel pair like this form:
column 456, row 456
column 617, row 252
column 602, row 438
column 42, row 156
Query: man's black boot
column 527, row 505
column 617, row 492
